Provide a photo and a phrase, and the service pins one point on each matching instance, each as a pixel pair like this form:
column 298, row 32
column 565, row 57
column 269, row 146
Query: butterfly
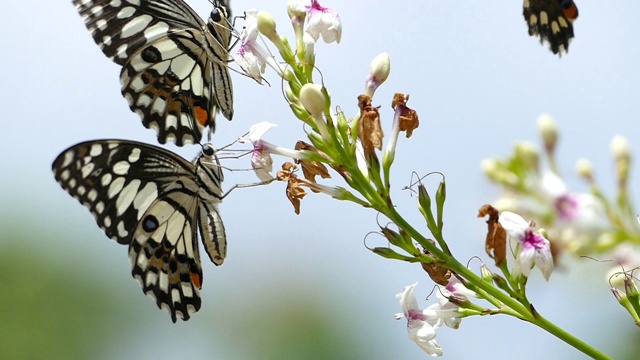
column 551, row 20
column 174, row 65
column 156, row 203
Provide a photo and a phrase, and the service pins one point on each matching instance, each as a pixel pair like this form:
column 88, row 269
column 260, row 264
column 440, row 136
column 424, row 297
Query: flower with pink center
column 422, row 323
column 580, row 214
column 421, row 328
column 251, row 56
column 320, row 20
column 261, row 160
column 533, row 248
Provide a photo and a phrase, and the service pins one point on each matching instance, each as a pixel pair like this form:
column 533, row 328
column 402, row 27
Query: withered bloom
column 312, row 168
column 369, row 127
column 439, row 274
column 496, row 243
column 408, row 118
column 294, row 192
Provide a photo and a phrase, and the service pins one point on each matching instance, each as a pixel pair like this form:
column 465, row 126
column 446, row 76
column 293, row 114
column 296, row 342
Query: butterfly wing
column 169, row 85
column 174, row 73
column 117, row 180
column 551, row 20
column 122, row 28
column 164, row 254
column 145, row 197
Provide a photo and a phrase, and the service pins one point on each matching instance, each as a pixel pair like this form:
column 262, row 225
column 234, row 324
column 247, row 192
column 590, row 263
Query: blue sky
column 478, row 82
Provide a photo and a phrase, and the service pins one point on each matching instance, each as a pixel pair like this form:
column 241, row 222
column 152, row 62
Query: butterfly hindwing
column 174, row 65
column 157, row 203
column 551, row 21
column 170, row 90
column 164, row 254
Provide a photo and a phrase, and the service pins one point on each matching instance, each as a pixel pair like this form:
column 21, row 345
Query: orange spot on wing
column 571, row 12
column 202, row 115
column 196, row 280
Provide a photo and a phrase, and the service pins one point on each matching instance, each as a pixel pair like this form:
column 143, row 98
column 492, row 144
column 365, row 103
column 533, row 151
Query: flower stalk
column 353, row 149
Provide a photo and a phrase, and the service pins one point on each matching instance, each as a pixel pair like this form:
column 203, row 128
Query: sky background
column 478, row 82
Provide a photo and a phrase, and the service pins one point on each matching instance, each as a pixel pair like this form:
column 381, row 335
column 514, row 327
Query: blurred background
column 304, row 286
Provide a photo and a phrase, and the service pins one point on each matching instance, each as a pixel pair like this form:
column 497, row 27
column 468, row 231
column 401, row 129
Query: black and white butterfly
column 157, row 203
column 552, row 21
column 174, row 65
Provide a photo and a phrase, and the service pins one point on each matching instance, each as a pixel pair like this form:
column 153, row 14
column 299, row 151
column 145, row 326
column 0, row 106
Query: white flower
column 324, row 21
column 446, row 309
column 533, row 248
column 579, row 214
column 320, row 20
column 421, row 329
column 252, row 57
column 261, row 160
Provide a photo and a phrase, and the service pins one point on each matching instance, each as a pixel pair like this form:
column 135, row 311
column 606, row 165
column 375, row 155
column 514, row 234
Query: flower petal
column 552, row 185
column 299, row 6
column 424, row 335
column 324, row 21
column 544, row 261
column 257, row 131
column 524, row 262
column 262, row 164
column 513, row 224
column 407, row 299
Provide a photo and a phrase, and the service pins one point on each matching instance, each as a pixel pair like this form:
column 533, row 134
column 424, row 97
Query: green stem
column 568, row 338
column 523, row 311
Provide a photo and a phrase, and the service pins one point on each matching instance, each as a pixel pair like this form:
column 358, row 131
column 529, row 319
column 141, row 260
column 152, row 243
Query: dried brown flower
column 496, row 243
column 311, row 168
column 369, row 127
column 294, row 191
column 408, row 120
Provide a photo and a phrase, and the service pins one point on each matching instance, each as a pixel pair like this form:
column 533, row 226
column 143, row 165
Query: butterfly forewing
column 174, row 66
column 155, row 202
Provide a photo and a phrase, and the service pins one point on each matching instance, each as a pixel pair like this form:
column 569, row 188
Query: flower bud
column 489, row 167
column 620, row 148
column 486, row 274
column 622, row 155
column 312, row 98
column 528, row 153
column 267, row 26
column 584, row 168
column 549, row 132
column 496, row 172
column 380, row 68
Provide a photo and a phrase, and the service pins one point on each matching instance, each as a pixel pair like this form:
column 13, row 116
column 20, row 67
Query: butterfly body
column 158, row 204
column 174, row 65
column 551, row 21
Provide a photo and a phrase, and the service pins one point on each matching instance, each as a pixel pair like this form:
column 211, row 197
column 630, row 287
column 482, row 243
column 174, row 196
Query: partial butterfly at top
column 174, row 66
column 551, row 20
column 155, row 202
